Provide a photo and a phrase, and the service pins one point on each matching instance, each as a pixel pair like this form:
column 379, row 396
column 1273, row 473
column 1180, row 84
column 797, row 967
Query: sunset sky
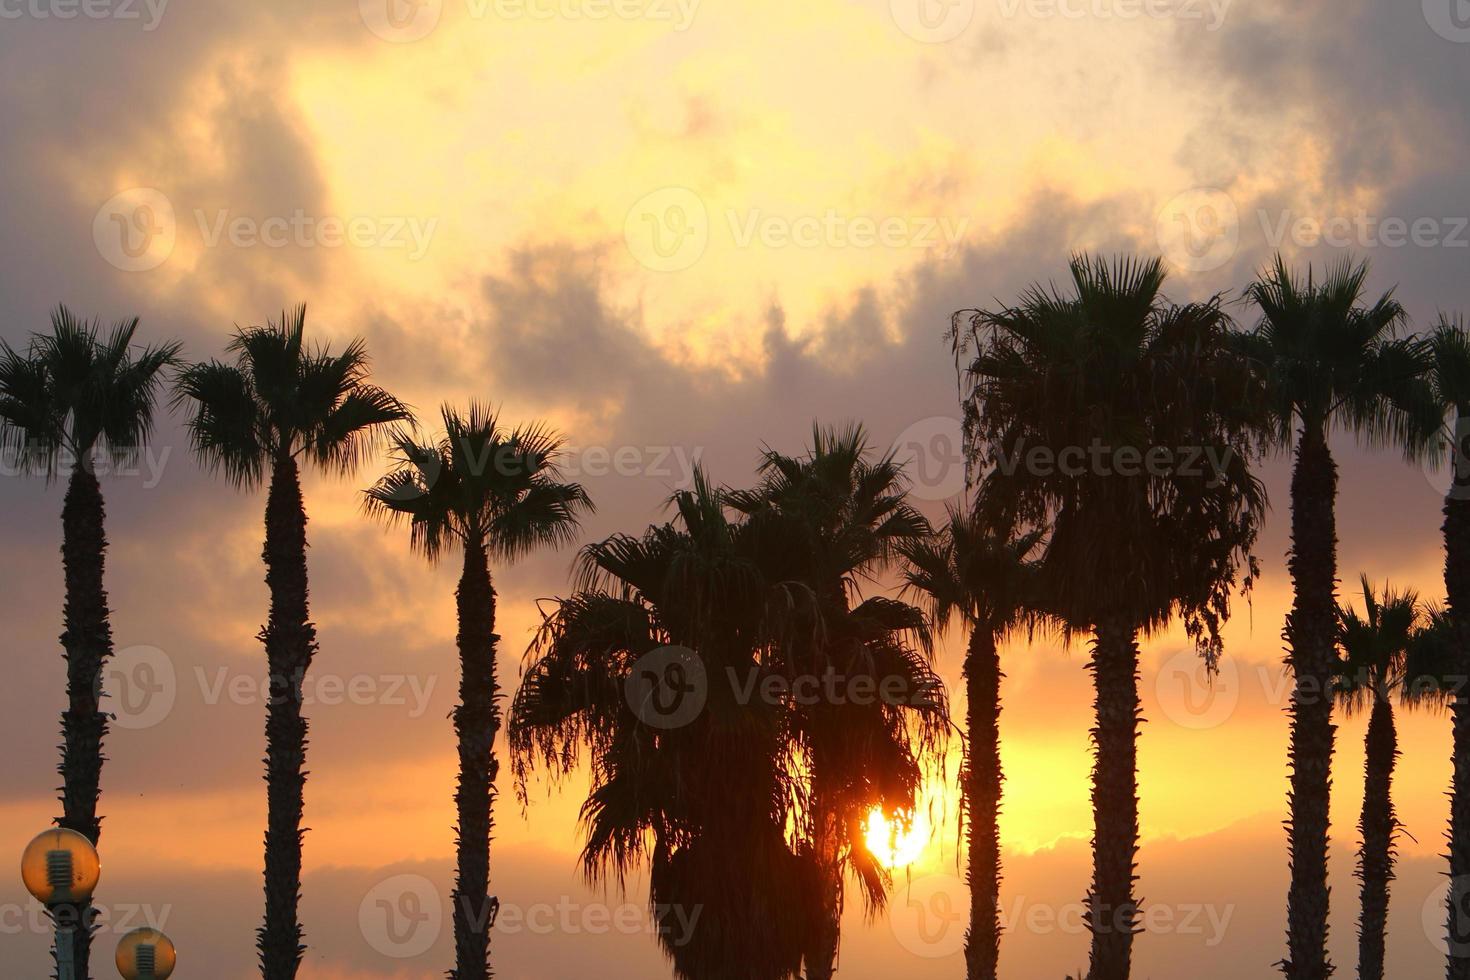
column 679, row 230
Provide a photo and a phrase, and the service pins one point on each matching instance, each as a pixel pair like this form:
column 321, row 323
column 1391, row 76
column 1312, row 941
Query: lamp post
column 60, row 868
column 146, row 954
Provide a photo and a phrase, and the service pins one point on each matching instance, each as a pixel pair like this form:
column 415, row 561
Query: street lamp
column 60, row 868
column 146, row 954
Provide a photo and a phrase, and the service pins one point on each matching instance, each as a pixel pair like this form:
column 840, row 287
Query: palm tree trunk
column 87, row 642
column 1457, row 591
column 982, row 791
column 1112, row 911
column 1377, row 825
column 476, row 723
column 1310, row 636
column 290, row 643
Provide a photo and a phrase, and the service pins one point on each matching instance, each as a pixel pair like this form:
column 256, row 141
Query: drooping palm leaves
column 73, row 399
column 986, row 578
column 1371, row 676
column 1150, row 532
column 847, row 512
column 1325, row 361
column 488, row 491
column 645, row 669
column 279, row 404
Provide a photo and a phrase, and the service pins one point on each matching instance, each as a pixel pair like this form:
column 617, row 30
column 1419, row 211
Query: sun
column 898, row 840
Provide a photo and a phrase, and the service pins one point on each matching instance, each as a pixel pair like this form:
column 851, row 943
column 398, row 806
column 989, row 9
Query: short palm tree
column 1093, row 411
column 487, row 491
column 1449, row 377
column 1370, row 675
column 847, row 510
column 1324, row 361
column 73, row 399
column 986, row 578
column 688, row 776
column 280, row 404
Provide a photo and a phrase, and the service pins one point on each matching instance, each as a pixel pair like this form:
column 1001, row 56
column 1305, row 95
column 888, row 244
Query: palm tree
column 486, row 491
column 1094, row 411
column 73, row 399
column 1370, row 674
column 279, row 404
column 849, row 513
column 1324, row 361
column 1449, row 377
column 688, row 776
column 986, row 577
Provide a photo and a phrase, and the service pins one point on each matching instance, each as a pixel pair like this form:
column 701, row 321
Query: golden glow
column 899, row 840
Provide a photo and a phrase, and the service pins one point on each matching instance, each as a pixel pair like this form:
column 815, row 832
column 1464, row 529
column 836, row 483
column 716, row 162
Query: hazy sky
column 678, row 229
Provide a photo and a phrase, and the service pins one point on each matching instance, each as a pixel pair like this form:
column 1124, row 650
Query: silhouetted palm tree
column 1094, row 412
column 1449, row 376
column 281, row 403
column 1370, row 674
column 847, row 512
column 73, row 399
column 487, row 491
column 986, row 578
column 1324, row 362
column 646, row 665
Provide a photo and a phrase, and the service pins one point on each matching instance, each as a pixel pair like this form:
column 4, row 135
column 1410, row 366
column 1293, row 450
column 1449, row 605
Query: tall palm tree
column 73, row 399
column 848, row 512
column 688, row 777
column 1094, row 410
column 1449, row 377
column 280, row 404
column 1370, row 674
column 1325, row 361
column 986, row 578
column 487, row 491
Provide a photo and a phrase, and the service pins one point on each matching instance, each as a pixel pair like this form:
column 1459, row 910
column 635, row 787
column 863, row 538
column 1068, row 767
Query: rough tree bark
column 476, row 724
column 87, row 644
column 1457, row 591
column 982, row 789
column 290, row 644
column 1310, row 631
column 1378, row 825
column 1112, row 911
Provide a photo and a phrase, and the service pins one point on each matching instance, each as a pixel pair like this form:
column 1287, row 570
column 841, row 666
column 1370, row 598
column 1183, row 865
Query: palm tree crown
column 281, row 399
column 970, row 570
column 1111, row 365
column 1324, row 359
column 1375, row 646
column 76, row 392
column 481, row 485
